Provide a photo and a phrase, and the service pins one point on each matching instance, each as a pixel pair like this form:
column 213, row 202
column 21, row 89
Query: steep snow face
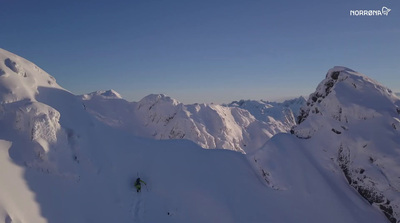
column 21, row 79
column 34, row 120
column 20, row 84
column 363, row 118
column 161, row 117
column 289, row 165
column 30, row 135
column 265, row 111
column 347, row 97
column 17, row 201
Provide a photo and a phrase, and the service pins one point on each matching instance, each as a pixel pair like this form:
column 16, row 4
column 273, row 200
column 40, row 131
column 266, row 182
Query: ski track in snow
column 137, row 208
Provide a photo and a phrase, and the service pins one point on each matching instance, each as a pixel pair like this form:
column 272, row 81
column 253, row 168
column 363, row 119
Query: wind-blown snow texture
column 60, row 163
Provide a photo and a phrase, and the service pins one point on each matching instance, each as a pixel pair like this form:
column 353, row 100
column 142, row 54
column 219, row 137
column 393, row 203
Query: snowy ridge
column 265, row 111
column 21, row 79
column 29, row 134
column 364, row 119
column 109, row 94
column 20, row 84
column 346, row 96
column 210, row 126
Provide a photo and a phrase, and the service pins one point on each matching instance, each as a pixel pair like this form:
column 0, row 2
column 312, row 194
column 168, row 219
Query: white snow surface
column 21, row 79
column 209, row 125
column 361, row 120
column 271, row 112
column 59, row 163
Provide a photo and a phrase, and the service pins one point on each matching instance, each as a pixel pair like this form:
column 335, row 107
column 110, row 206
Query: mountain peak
column 108, row 94
column 153, row 99
column 21, row 79
column 355, row 121
column 345, row 96
column 111, row 94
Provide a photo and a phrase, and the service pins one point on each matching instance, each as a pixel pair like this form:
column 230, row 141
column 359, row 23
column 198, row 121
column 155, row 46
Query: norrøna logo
column 385, row 11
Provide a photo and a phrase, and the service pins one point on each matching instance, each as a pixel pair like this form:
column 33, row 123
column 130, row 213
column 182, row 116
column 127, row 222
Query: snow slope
column 350, row 129
column 17, row 201
column 61, row 164
column 209, row 125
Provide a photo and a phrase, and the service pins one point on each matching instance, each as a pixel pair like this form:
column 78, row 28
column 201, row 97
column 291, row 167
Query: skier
column 138, row 184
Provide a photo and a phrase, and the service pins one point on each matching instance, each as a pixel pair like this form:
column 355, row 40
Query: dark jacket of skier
column 138, row 184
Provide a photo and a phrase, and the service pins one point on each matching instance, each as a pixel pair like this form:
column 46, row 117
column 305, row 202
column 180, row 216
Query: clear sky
column 202, row 51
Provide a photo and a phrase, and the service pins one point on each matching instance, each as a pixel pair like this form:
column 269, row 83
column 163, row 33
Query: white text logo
column 385, row 11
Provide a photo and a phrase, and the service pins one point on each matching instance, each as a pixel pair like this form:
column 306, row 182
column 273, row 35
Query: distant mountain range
column 240, row 127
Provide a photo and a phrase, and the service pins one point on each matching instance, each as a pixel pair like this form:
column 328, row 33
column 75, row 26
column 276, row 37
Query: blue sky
column 202, row 51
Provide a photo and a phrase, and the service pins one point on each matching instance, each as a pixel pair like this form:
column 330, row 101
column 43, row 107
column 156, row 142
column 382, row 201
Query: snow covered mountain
column 350, row 130
column 209, row 125
column 60, row 163
column 268, row 112
column 20, row 83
